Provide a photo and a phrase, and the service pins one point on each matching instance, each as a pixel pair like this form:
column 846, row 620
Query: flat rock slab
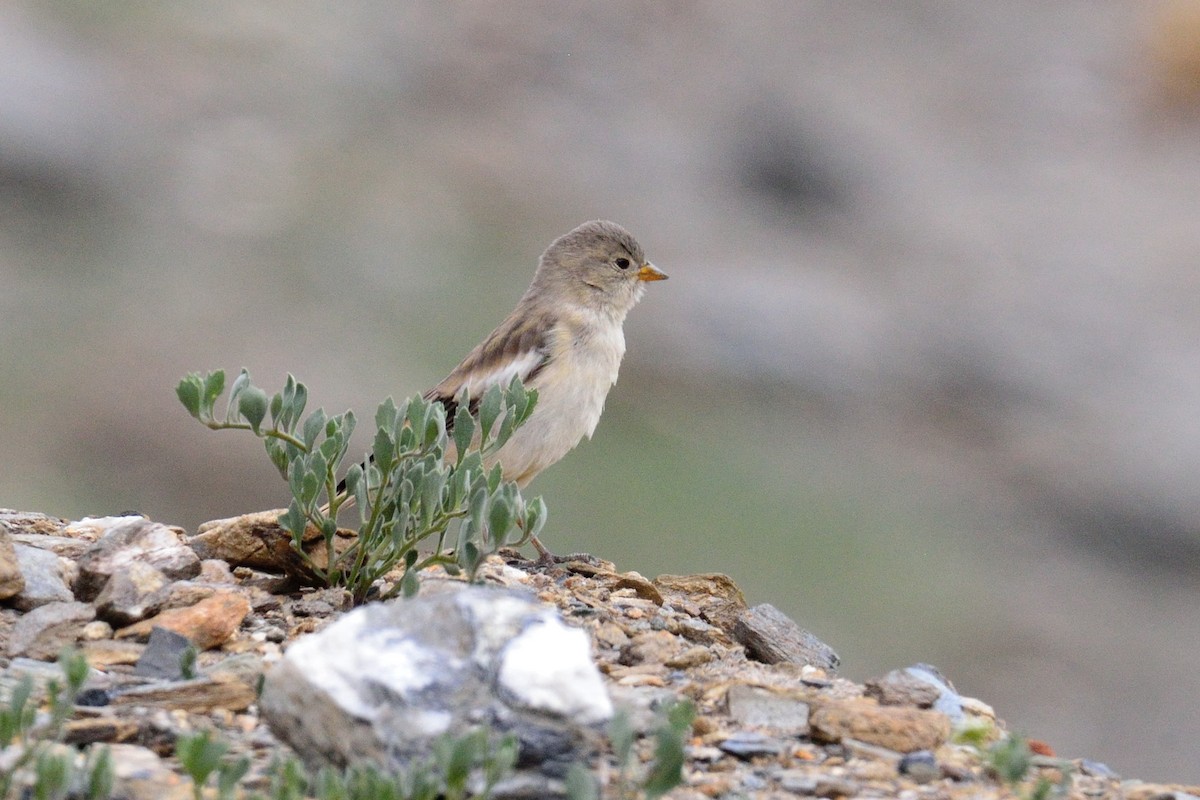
column 43, row 632
column 772, row 637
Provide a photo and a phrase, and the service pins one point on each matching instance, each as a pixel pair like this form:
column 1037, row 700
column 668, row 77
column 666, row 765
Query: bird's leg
column 543, row 553
column 548, row 559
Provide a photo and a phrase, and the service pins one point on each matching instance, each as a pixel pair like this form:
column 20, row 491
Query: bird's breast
column 572, row 387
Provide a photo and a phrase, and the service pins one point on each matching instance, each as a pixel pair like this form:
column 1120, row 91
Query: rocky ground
column 773, row 718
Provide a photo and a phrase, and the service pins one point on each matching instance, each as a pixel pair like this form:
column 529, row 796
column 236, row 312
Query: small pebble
column 704, row 753
column 96, row 630
column 747, row 744
column 921, row 766
column 1097, row 769
column 753, row 783
column 798, row 782
column 93, row 698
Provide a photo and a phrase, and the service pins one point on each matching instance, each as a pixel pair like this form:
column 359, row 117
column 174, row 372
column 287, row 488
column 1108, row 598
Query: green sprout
column 409, row 494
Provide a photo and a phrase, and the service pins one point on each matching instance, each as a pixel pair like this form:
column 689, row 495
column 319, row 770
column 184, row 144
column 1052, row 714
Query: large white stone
column 381, row 682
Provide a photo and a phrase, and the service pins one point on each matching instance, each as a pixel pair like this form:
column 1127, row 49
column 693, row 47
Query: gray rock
column 772, row 637
column 163, row 656
column 1097, row 769
column 30, row 522
column 757, row 707
column 131, row 594
column 748, row 744
column 127, row 540
column 921, row 766
column 753, row 783
column 797, row 781
column 64, row 546
column 920, row 685
column 45, row 581
column 386, row 679
column 46, row 630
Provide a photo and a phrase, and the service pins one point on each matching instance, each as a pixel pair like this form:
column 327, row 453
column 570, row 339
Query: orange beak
column 649, row 272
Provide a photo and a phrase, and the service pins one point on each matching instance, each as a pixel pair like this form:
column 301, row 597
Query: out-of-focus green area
column 924, row 375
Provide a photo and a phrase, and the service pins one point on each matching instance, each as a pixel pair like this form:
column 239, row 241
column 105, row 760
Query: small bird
column 565, row 340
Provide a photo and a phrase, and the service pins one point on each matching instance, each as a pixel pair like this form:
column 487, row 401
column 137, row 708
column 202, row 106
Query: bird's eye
column 622, row 263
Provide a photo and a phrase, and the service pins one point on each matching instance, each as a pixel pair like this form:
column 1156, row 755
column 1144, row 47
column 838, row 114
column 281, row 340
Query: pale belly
column 571, row 394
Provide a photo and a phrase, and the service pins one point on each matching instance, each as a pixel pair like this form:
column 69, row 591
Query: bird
column 565, row 339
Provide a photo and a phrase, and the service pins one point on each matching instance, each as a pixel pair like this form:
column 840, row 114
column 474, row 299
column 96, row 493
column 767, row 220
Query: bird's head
column 600, row 264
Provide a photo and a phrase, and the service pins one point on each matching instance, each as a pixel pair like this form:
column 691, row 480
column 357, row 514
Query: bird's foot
column 547, row 559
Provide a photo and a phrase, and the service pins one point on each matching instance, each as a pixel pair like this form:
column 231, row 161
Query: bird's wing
column 519, row 348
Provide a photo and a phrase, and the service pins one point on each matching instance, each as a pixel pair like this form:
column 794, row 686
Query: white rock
column 384, row 680
column 549, row 667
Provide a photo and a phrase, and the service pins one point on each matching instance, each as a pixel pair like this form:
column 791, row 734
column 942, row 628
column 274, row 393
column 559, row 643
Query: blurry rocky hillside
column 925, row 375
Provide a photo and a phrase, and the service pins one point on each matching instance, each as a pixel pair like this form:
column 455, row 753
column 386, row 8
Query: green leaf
column 313, row 427
column 666, row 771
column 416, row 417
column 199, row 754
column 235, row 391
column 503, row 759
column 621, row 735
column 456, row 765
column 464, row 427
column 100, row 774
column 384, row 449
column 299, row 399
column 472, row 466
column 313, row 481
column 294, row 522
column 458, row 489
column 504, row 432
column 332, row 449
column 526, row 411
column 284, row 419
column 477, row 509
column 494, row 477
column 229, row 774
column 214, row 384
column 187, row 662
column 680, row 716
column 75, row 669
column 387, row 416
column 252, row 404
column 435, row 425
column 580, row 784
column 535, row 518
column 489, row 409
column 1011, row 759
column 53, row 775
column 470, row 557
column 188, row 391
column 277, row 451
column 501, row 515
column 288, row 780
column 410, row 584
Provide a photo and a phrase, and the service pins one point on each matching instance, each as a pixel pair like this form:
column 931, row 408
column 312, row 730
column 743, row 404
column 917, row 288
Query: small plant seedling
column 34, row 764
column 427, row 483
column 665, row 770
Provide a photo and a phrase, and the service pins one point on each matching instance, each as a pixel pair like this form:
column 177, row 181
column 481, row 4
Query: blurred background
column 925, row 375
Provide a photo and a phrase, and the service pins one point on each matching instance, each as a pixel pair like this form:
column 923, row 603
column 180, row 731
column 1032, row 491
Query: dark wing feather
column 521, row 341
